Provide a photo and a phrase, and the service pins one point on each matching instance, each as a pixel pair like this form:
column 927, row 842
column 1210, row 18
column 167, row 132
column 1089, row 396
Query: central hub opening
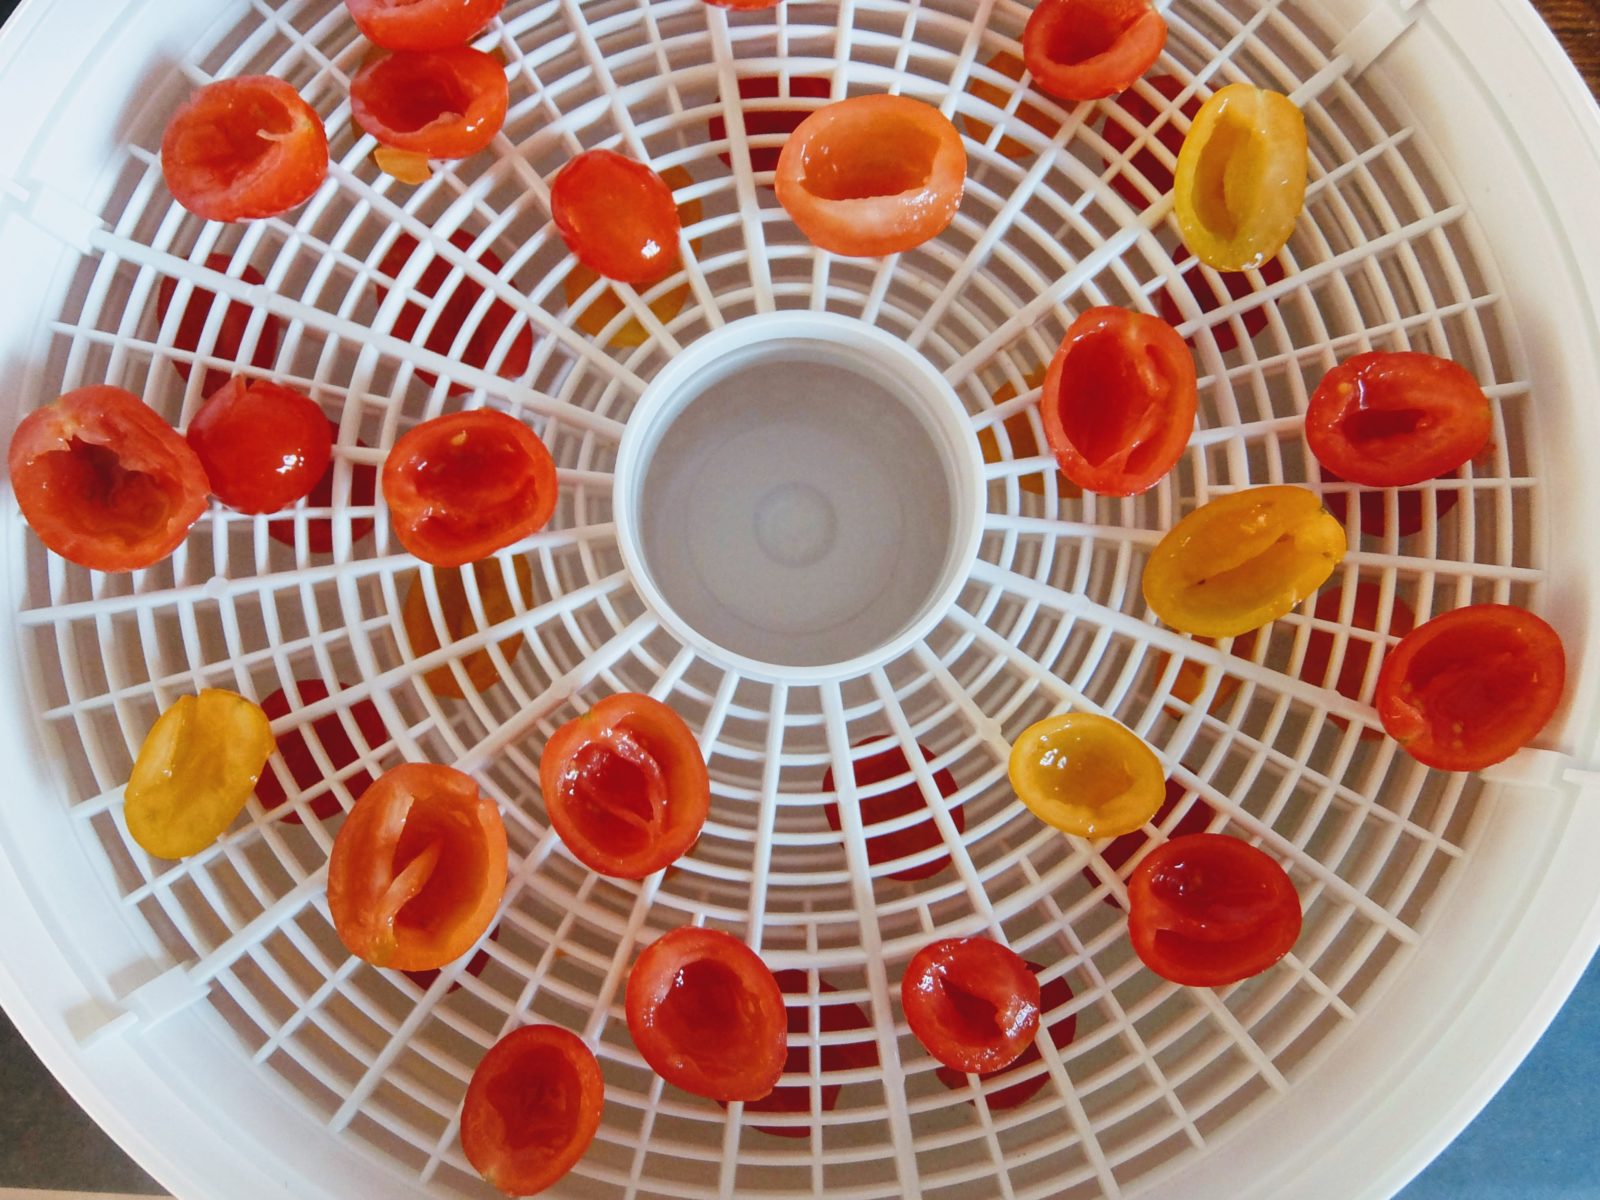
column 799, row 493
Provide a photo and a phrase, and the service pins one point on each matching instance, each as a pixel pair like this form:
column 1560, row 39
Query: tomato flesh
column 532, row 1109
column 103, row 481
column 422, row 24
column 707, row 1015
column 1086, row 774
column 1207, row 910
column 331, row 735
column 1052, row 996
column 872, row 175
column 626, row 786
column 617, row 216
column 1119, row 401
column 768, row 121
column 438, row 103
column 244, row 148
column 230, row 336
column 197, row 767
column 898, row 802
column 262, row 446
column 1472, row 687
column 422, row 633
column 1086, row 49
column 971, row 1002
column 319, row 530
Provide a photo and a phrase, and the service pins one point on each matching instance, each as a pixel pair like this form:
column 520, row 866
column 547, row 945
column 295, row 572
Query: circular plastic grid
column 1051, row 618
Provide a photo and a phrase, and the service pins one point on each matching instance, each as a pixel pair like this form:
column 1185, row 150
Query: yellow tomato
column 459, row 622
column 1088, row 775
column 1241, row 177
column 1242, row 560
column 197, row 767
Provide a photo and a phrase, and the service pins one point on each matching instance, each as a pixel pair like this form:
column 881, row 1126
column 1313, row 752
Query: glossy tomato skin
column 331, row 736
column 319, row 530
column 438, row 103
column 872, row 175
column 422, row 24
column 1086, row 775
column 971, row 1002
column 461, row 486
column 1207, row 910
column 1392, row 419
column 924, row 835
column 244, row 148
column 104, row 482
column 263, row 446
column 1241, row 177
column 1052, row 995
column 617, row 216
column 230, row 335
column 1472, row 687
column 708, row 1015
column 1119, row 401
column 532, row 1109
column 418, row 868
column 626, row 786
column 1086, row 49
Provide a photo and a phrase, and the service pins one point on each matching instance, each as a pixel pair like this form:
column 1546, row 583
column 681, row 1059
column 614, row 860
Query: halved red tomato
column 1472, row 687
column 1373, row 510
column 1119, row 401
column 1086, row 49
column 334, row 740
column 707, row 1015
column 438, row 103
column 769, row 121
column 1144, row 162
column 104, row 481
column 626, row 786
column 971, row 1002
column 230, row 334
column 461, row 486
column 1118, row 851
column 1238, row 286
column 907, row 798
column 422, row 24
column 617, row 216
column 1364, row 614
column 263, row 446
column 1052, row 996
column 319, row 530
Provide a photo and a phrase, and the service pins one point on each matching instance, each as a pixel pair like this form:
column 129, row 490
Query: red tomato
column 769, row 121
column 1395, row 419
column 461, row 486
column 422, row 24
column 625, row 786
column 1118, row 851
column 907, row 798
column 1205, row 295
column 1357, row 651
column 971, row 1002
column 456, row 311
column 1206, row 910
column 230, row 335
column 418, row 868
column 707, row 1015
column 872, row 175
column 1374, row 508
column 617, row 216
column 263, row 446
column 1119, row 401
column 330, row 734
column 1143, row 115
column 244, row 148
column 1051, row 997
column 440, row 103
column 532, row 1109
column 319, row 530
column 1472, row 687
column 104, row 481
column 1086, row 49
column 847, row 1056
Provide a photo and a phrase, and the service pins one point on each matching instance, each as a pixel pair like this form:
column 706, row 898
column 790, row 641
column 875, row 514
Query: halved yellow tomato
column 1087, row 774
column 459, row 621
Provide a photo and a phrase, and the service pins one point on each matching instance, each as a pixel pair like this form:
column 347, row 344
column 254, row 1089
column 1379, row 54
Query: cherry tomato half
column 626, row 786
column 1364, row 614
column 1011, row 67
column 422, row 633
column 971, row 1002
column 1024, row 442
column 1395, row 419
column 768, row 121
column 617, row 216
column 1144, row 163
column 418, row 868
column 1208, row 910
column 1238, row 286
column 231, row 333
column 319, row 530
column 1119, row 401
column 332, row 736
column 197, row 767
column 441, row 103
column 1118, row 851
column 1052, row 996
column 872, row 175
column 1372, row 512
column 532, row 1109
column 1086, row 774
column 461, row 486
column 262, row 446
column 422, row 24
column 1242, row 560
column 456, row 311
column 1086, row 49
column 244, row 148
column 104, row 481
column 1472, row 687
column 1190, row 680
column 707, row 1015
column 1241, row 179
column 907, row 798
